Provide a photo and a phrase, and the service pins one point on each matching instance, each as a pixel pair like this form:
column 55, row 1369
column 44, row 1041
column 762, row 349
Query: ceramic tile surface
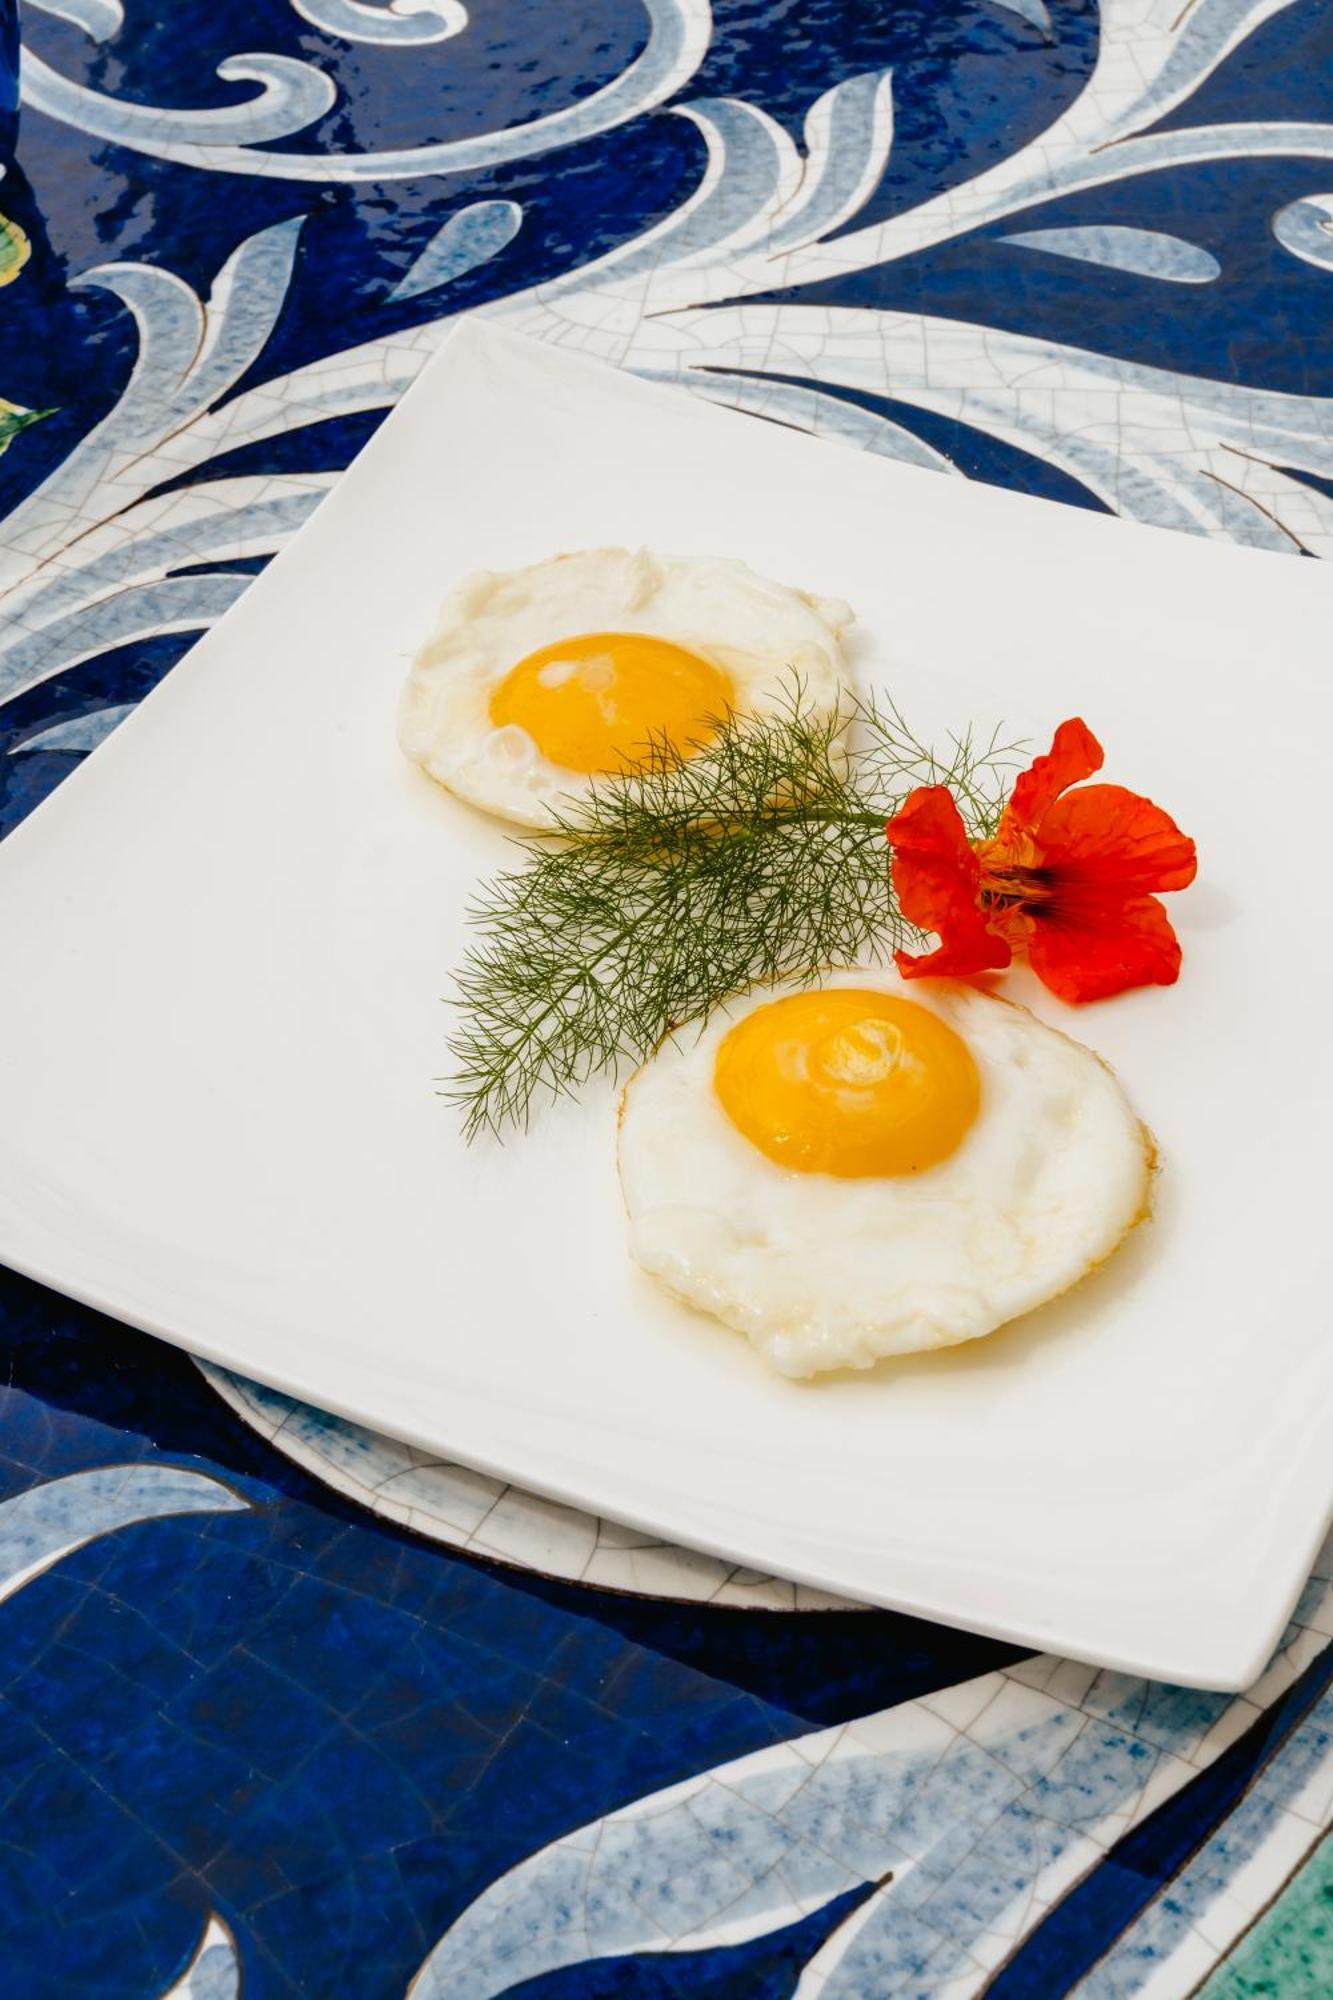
column 291, row 1709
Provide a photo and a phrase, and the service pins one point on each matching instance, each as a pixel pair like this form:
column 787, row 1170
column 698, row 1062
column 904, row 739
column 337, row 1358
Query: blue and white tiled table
column 289, row 1709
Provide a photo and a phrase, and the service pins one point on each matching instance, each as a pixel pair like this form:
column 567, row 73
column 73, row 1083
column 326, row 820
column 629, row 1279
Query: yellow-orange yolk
column 848, row 1082
column 593, row 703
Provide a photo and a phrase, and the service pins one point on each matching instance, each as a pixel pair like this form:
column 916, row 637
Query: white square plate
column 225, row 942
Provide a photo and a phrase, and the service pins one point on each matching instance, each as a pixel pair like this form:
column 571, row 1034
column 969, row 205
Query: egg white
column 820, row 1272
column 762, row 634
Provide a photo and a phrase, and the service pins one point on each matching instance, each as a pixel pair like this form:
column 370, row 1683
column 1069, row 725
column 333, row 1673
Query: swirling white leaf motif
column 294, row 95
column 1157, row 445
column 1152, row 56
column 1148, row 253
column 100, row 19
column 42, row 1525
column 402, row 22
column 471, row 236
column 757, row 194
column 1306, row 229
column 807, row 408
column 291, row 95
column 974, row 1808
column 190, row 353
column 116, row 541
column 80, row 733
column 719, row 1859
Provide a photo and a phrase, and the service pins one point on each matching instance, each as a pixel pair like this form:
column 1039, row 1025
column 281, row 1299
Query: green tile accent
column 13, row 420
column 1289, row 1953
column 14, row 250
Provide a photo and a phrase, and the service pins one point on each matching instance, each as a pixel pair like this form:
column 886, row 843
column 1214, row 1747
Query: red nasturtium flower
column 1070, row 877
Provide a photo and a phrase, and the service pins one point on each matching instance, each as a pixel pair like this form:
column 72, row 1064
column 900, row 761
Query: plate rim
column 1230, row 1667
column 1238, row 1667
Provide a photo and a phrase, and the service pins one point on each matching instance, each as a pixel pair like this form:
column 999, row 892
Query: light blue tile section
column 961, row 1824
column 172, row 604
column 1147, row 253
column 1306, row 229
column 99, row 19
column 214, row 1973
column 471, row 237
column 81, row 732
column 970, row 1808
column 46, row 1522
column 1149, row 1944
column 825, row 416
column 217, row 1975
column 848, row 133
column 402, row 22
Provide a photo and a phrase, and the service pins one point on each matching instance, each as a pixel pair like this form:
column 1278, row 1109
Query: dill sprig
column 661, row 893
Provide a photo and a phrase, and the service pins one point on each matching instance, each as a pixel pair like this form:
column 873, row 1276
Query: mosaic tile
column 969, row 1813
column 467, row 1510
column 1289, row 1954
column 213, row 1973
column 291, row 1709
column 1230, row 1882
column 41, row 1526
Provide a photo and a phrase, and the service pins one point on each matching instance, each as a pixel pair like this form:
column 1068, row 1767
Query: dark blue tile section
column 330, row 1733
column 322, row 447
column 9, row 73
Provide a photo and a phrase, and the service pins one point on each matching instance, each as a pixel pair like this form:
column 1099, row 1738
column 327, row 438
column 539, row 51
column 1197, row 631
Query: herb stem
column 760, row 858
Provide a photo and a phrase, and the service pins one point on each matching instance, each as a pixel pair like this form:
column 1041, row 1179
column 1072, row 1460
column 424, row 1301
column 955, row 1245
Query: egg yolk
column 848, row 1082
column 593, row 703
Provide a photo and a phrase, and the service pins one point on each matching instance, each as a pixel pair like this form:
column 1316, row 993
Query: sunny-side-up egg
column 872, row 1168
column 538, row 681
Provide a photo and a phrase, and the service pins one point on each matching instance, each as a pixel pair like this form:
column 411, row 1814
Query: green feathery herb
column 760, row 857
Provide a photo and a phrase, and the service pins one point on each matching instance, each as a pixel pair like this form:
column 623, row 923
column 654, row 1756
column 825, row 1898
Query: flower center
column 1015, row 886
column 1014, row 878
column 1005, row 887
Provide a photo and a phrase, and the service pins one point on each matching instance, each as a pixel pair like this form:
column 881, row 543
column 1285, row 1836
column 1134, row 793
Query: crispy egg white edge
column 443, row 711
column 667, row 1241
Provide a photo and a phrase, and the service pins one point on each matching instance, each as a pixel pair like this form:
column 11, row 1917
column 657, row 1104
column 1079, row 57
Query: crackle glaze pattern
column 289, row 1708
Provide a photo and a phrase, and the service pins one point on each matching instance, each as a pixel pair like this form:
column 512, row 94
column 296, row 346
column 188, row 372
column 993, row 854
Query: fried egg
column 538, row 681
column 871, row 1167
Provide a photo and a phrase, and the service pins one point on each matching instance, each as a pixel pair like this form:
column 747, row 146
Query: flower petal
column 1074, row 755
column 937, row 879
column 1105, row 950
column 1106, row 838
